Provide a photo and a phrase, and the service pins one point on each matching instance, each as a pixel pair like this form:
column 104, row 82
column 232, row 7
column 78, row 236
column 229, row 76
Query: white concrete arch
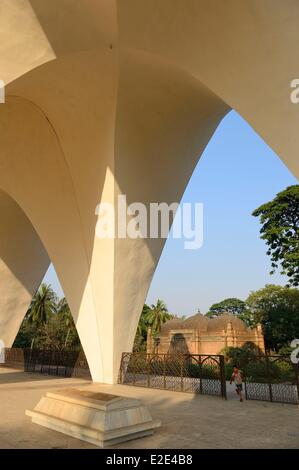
column 113, row 97
column 23, row 264
column 35, row 175
column 244, row 52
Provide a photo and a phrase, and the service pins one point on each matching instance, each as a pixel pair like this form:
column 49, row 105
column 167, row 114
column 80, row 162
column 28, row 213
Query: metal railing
column 51, row 362
column 272, row 378
column 266, row 378
column 203, row 374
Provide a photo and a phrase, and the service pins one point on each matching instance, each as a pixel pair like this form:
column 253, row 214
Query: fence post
column 222, row 377
column 41, row 355
column 245, row 379
column 51, row 355
column 269, row 379
column 297, row 379
column 164, row 372
column 34, row 358
column 134, row 368
column 121, row 380
column 245, row 383
column 25, row 359
column 148, row 370
column 182, row 373
column 57, row 362
column 200, row 375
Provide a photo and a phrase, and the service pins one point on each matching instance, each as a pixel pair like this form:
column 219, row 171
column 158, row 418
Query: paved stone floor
column 188, row 421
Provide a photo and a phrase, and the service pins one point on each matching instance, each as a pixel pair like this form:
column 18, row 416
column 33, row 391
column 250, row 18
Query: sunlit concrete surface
column 188, row 421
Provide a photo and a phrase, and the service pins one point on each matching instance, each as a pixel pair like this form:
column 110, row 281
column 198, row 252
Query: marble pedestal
column 98, row 418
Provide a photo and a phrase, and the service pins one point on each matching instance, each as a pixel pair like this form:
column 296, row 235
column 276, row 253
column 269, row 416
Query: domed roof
column 196, row 322
column 220, row 323
column 203, row 323
column 173, row 324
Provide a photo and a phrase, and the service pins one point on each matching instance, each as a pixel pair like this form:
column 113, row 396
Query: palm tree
column 64, row 311
column 142, row 325
column 157, row 315
column 42, row 307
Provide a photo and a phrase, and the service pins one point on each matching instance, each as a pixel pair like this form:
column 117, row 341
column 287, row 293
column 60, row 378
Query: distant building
column 202, row 335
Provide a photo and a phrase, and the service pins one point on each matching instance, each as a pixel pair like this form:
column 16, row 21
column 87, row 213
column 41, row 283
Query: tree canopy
column 277, row 309
column 153, row 317
column 43, row 305
column 280, row 230
column 157, row 315
column 230, row 305
column 48, row 323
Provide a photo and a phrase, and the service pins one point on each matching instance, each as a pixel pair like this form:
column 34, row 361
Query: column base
column 98, row 418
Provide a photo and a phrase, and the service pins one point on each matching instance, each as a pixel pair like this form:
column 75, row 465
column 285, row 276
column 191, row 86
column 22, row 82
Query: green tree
column 43, row 305
column 151, row 317
column 42, row 308
column 141, row 333
column 240, row 356
column 157, row 315
column 26, row 335
column 58, row 334
column 143, row 322
column 64, row 313
column 280, row 230
column 277, row 309
column 48, row 323
column 51, row 335
column 231, row 305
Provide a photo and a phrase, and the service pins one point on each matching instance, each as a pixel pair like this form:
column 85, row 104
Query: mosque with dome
column 200, row 334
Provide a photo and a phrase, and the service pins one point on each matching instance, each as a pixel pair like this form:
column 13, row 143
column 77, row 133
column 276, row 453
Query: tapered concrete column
column 52, row 209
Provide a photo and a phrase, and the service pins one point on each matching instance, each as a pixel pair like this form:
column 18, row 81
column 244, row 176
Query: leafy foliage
column 48, row 324
column 157, row 315
column 153, row 317
column 240, row 355
column 280, row 230
column 141, row 333
column 64, row 316
column 43, row 305
column 231, row 305
column 256, row 368
column 277, row 309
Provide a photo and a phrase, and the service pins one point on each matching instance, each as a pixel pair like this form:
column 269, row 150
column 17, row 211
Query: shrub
column 240, row 356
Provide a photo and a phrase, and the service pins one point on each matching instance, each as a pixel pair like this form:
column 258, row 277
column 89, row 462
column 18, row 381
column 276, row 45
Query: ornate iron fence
column 268, row 378
column 58, row 363
column 272, row 378
column 203, row 374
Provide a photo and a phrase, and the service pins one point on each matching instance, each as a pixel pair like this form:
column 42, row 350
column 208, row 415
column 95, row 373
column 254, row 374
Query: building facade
column 201, row 335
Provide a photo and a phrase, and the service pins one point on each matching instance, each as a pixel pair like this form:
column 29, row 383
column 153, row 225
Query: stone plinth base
column 98, row 418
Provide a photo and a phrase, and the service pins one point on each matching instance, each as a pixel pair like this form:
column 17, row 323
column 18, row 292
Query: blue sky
column 236, row 173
